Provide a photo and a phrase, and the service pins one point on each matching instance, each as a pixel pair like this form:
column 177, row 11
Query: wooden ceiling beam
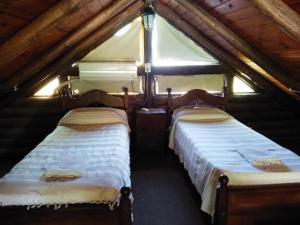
column 282, row 14
column 239, row 44
column 211, row 46
column 64, row 45
column 78, row 51
column 189, row 70
column 19, row 43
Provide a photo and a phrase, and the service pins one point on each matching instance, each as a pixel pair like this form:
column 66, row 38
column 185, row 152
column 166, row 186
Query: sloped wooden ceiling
column 59, row 37
column 38, row 38
column 16, row 14
column 259, row 40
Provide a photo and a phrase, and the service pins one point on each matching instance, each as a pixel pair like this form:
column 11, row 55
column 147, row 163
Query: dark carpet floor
column 162, row 197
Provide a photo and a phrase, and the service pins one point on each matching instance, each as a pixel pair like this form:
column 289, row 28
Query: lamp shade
column 148, row 17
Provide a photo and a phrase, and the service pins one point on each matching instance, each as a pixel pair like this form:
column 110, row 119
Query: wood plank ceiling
column 251, row 25
column 16, row 14
column 31, row 29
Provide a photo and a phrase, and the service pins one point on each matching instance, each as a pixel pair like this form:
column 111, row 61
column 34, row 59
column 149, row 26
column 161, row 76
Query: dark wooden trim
column 126, row 99
column 257, row 204
column 125, row 207
column 239, row 44
column 282, row 14
column 93, row 98
column 221, row 205
column 148, row 59
column 196, row 97
column 189, row 70
column 19, row 215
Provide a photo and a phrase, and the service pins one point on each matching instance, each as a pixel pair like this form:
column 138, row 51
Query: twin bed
column 242, row 177
column 79, row 174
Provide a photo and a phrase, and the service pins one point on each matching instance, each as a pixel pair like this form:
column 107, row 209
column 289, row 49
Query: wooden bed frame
column 74, row 214
column 245, row 205
column 94, row 98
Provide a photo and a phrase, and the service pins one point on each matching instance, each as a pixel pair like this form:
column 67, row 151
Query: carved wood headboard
column 94, row 98
column 195, row 97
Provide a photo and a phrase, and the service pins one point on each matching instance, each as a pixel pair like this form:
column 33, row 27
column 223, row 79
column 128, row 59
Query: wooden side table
column 150, row 130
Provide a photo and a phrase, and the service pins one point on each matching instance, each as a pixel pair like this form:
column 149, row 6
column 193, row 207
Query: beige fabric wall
column 172, row 47
column 108, row 86
column 124, row 48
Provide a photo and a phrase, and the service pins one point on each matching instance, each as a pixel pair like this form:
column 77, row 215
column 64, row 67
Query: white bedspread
column 100, row 154
column 209, row 149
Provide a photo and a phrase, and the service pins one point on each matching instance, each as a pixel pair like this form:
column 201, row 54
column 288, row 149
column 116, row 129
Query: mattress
column 98, row 150
column 210, row 148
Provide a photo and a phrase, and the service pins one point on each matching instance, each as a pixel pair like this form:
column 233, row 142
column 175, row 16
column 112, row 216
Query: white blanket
column 209, row 149
column 100, row 154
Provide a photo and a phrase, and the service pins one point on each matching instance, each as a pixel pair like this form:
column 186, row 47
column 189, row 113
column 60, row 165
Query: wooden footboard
column 261, row 204
column 75, row 214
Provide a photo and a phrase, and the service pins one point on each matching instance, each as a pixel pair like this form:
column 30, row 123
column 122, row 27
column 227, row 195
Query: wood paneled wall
column 268, row 117
column 16, row 14
column 26, row 123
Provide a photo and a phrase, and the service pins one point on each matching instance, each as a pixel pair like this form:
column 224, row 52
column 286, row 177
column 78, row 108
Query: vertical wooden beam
column 18, row 44
column 282, row 14
column 239, row 44
column 66, row 44
column 230, row 77
column 148, row 60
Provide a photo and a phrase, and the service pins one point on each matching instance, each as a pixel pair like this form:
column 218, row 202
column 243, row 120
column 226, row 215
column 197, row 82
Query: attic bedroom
column 150, row 112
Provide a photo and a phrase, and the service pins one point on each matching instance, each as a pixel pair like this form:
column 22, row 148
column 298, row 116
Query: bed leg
column 125, row 207
column 220, row 217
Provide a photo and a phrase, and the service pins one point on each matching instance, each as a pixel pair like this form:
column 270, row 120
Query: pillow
column 88, row 116
column 200, row 114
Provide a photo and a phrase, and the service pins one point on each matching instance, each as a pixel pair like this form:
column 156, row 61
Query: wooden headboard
column 94, row 98
column 195, row 97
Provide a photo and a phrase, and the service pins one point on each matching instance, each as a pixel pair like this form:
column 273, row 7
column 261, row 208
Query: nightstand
column 150, row 130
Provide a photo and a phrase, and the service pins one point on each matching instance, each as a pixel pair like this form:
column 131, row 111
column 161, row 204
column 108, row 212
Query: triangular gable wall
column 173, row 48
column 123, row 46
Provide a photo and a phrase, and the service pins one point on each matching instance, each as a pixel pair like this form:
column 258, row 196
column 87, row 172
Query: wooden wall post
column 148, row 60
column 126, row 100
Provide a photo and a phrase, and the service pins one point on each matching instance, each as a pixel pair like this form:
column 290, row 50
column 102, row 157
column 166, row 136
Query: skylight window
column 49, row 89
column 241, row 87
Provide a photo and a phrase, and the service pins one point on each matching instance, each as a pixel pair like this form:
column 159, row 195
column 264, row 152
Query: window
column 49, row 89
column 240, row 87
column 112, row 86
column 182, row 84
